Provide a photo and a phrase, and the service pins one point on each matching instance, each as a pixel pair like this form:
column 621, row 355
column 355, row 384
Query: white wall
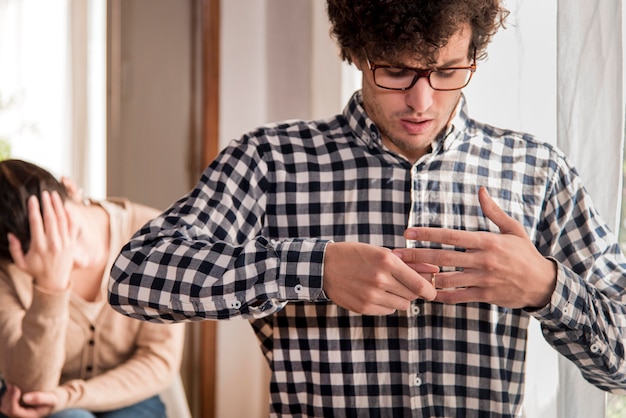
column 148, row 160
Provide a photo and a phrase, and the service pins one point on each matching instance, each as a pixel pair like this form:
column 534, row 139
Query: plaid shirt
column 248, row 241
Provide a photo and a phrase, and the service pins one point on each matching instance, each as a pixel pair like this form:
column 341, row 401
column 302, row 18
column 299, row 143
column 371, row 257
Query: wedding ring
column 433, row 277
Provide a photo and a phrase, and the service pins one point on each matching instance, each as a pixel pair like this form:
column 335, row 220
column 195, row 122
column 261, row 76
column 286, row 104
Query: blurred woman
column 64, row 351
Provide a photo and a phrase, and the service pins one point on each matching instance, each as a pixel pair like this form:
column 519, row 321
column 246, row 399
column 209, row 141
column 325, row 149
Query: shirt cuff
column 565, row 309
column 301, row 269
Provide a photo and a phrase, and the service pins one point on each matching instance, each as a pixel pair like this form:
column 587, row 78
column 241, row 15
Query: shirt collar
column 363, row 127
column 459, row 122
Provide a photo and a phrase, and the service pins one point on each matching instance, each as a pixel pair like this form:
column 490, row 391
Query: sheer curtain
column 590, row 130
column 556, row 72
column 53, row 86
column 33, row 51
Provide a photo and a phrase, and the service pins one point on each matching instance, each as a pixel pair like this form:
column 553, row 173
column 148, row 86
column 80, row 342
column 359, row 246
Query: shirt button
column 416, row 310
column 298, row 288
column 595, row 348
column 566, row 310
column 235, row 304
column 373, row 135
column 417, row 381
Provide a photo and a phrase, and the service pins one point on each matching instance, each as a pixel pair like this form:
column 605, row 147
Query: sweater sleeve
column 32, row 332
column 150, row 370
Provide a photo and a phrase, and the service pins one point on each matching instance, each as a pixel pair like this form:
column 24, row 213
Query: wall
column 152, row 105
column 151, row 100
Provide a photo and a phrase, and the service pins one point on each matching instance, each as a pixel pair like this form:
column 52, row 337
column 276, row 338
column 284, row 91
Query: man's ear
column 358, row 62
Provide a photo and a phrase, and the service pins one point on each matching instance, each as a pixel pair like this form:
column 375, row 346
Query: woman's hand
column 50, row 257
column 29, row 405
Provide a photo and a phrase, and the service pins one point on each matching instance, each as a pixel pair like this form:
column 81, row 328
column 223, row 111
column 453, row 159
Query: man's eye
column 444, row 73
column 398, row 72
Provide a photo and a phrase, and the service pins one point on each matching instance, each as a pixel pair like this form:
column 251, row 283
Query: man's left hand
column 503, row 269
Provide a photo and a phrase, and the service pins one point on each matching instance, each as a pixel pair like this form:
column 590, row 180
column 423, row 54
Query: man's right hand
column 372, row 280
column 30, row 405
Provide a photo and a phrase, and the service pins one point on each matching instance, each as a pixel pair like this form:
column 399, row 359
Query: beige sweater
column 91, row 356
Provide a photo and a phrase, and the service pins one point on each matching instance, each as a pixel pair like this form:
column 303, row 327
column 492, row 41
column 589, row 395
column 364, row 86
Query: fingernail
column 410, row 234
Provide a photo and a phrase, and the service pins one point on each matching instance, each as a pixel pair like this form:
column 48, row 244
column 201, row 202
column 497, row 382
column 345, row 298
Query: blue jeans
column 150, row 408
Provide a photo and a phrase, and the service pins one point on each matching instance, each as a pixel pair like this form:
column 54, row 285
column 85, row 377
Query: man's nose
column 420, row 96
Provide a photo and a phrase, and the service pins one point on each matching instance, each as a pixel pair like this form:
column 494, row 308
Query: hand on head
column 50, row 257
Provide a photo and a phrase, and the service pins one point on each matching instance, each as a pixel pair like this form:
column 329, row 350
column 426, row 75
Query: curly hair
column 388, row 28
column 18, row 181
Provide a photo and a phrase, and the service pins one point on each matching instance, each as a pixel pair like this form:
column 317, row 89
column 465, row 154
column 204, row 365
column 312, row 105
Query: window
column 53, row 86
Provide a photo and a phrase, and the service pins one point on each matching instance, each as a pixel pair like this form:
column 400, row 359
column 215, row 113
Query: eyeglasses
column 403, row 78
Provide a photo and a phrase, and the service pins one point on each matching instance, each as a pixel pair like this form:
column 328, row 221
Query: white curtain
column 33, row 53
column 53, row 86
column 556, row 72
column 590, row 130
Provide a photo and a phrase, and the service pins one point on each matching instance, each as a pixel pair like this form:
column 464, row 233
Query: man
column 300, row 228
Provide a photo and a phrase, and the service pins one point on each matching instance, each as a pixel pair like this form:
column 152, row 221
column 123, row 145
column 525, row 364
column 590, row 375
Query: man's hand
column 50, row 257
column 371, row 280
column 503, row 269
column 31, row 405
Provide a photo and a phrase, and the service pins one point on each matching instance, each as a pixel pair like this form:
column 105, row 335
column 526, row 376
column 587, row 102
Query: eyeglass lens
column 404, row 78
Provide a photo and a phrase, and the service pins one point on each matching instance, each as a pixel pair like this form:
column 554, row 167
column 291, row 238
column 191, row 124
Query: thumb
column 504, row 222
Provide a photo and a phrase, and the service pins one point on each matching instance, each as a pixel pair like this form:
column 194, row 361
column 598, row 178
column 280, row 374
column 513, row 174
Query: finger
column 453, row 237
column 460, row 295
column 418, row 266
column 10, row 400
column 463, row 279
column 39, row 399
column 35, row 221
column 61, row 214
column 14, row 394
column 50, row 221
column 505, row 223
column 412, row 285
column 437, row 257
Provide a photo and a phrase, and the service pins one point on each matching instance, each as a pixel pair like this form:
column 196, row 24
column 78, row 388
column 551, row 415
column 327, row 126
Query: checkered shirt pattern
column 248, row 241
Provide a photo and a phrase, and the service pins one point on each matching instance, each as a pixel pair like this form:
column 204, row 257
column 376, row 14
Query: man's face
column 410, row 120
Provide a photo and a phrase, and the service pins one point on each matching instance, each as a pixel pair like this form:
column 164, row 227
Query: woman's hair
column 18, row 181
column 385, row 29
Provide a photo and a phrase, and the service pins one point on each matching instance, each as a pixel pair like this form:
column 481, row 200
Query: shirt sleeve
column 586, row 318
column 210, row 255
column 147, row 372
column 32, row 352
